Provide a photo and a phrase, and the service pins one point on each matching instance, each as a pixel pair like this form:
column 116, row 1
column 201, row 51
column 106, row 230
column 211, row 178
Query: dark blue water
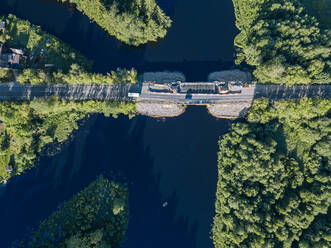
column 173, row 160
column 200, row 40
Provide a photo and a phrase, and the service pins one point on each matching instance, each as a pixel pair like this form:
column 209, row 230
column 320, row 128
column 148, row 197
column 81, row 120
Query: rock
column 163, row 77
column 230, row 75
column 231, row 110
column 159, row 109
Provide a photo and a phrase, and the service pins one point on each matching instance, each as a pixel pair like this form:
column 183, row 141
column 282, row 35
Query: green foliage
column 86, row 220
column 69, row 67
column 26, row 127
column 41, row 47
column 282, row 42
column 274, row 187
column 321, row 9
column 76, row 75
column 6, row 76
column 134, row 22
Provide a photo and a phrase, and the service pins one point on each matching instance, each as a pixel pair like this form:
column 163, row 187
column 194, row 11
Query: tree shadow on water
column 105, row 146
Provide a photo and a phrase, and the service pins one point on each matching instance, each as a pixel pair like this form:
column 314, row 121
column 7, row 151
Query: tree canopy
column 97, row 217
column 40, row 46
column 133, row 22
column 77, row 75
column 26, row 127
column 65, row 65
column 274, row 187
column 282, row 42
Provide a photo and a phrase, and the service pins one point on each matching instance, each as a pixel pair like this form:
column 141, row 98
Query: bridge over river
column 165, row 104
column 120, row 92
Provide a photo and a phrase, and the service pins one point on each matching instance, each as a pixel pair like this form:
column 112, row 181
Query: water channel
column 171, row 160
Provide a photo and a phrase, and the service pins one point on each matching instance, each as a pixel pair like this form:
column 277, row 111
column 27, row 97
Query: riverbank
column 134, row 24
column 159, row 110
column 230, row 110
column 230, row 75
column 163, row 77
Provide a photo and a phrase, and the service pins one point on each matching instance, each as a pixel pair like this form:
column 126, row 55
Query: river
column 171, row 160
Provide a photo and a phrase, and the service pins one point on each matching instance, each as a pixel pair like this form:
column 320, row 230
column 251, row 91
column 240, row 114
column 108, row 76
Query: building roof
column 17, row 51
column 197, row 87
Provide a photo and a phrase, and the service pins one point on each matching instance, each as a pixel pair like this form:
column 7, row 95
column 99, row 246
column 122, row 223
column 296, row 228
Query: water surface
column 173, row 160
column 200, row 39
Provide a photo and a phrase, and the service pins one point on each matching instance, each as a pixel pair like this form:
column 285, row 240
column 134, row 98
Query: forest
column 96, row 217
column 77, row 75
column 26, row 127
column 274, row 186
column 40, row 47
column 134, row 22
column 6, row 75
column 65, row 65
column 283, row 42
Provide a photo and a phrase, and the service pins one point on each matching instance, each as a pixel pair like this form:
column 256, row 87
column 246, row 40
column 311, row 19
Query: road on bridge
column 119, row 92
column 273, row 92
column 16, row 91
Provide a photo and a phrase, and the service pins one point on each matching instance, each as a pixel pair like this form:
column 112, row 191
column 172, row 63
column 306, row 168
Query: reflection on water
column 172, row 160
column 200, row 40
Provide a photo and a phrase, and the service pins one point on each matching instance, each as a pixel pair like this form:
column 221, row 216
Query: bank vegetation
column 95, row 217
column 133, row 22
column 282, row 42
column 44, row 59
column 274, row 185
column 27, row 127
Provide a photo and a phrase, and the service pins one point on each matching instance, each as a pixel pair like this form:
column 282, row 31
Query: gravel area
column 163, row 77
column 231, row 110
column 230, row 75
column 159, row 109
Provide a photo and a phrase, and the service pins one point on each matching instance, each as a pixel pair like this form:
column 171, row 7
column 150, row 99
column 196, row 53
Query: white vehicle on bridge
column 135, row 95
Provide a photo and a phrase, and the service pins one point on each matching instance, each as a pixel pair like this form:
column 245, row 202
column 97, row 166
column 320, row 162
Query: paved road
column 273, row 92
column 276, row 92
column 247, row 94
column 15, row 91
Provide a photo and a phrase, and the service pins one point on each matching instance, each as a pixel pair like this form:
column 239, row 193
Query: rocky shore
column 163, row 77
column 159, row 110
column 230, row 75
column 231, row 110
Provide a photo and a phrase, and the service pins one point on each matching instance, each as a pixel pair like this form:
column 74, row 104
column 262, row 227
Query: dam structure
column 226, row 93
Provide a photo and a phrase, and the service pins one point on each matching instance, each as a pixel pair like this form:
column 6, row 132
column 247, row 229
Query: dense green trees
column 64, row 64
column 6, row 75
column 97, row 217
column 77, row 75
column 40, row 47
column 282, row 42
column 26, row 127
column 321, row 9
column 274, row 187
column 134, row 22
